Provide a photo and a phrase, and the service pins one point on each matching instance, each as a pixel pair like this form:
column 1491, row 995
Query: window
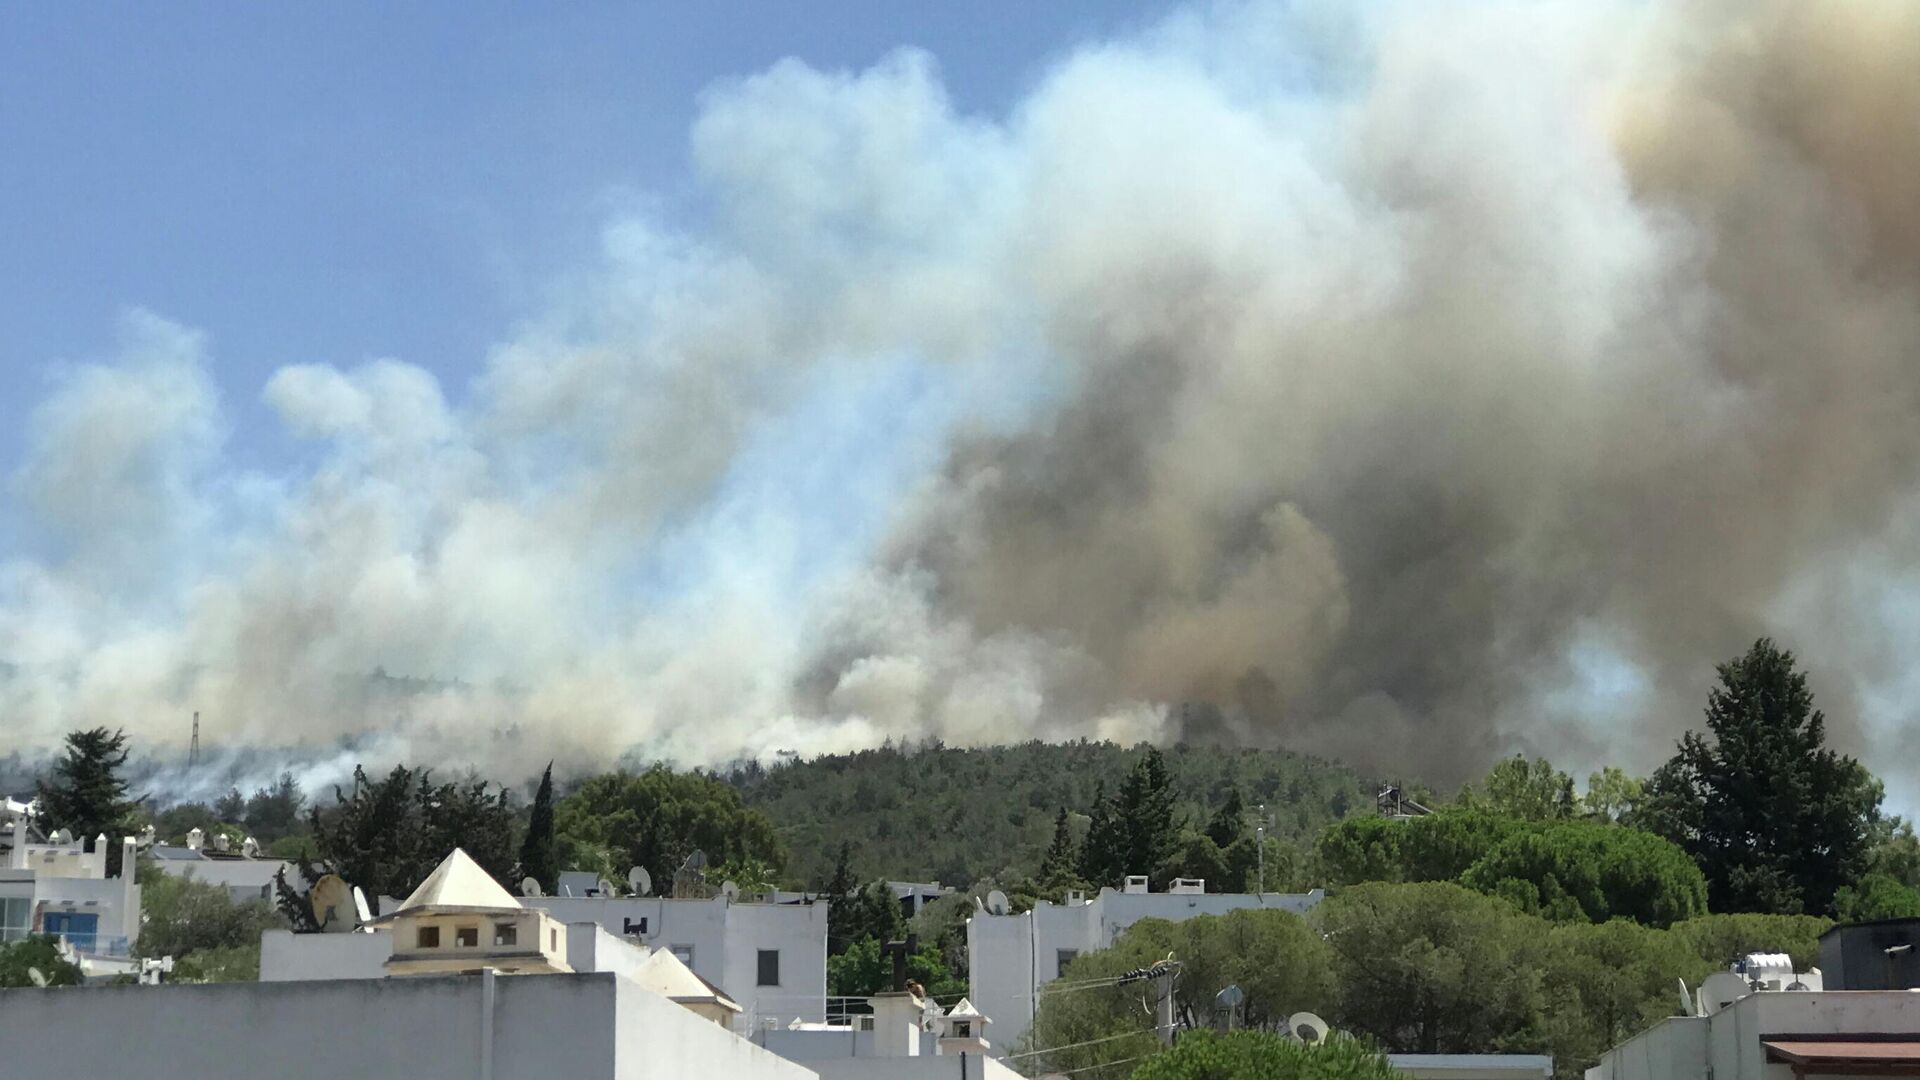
column 428, row 938
column 505, row 933
column 769, row 967
column 553, row 941
column 683, row 953
column 963, row 1029
column 16, row 918
column 466, row 937
column 1063, row 957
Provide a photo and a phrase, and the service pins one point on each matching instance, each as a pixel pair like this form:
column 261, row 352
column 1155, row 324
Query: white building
column 447, row 1027
column 769, row 958
column 904, row 1038
column 1778, row 1035
column 62, row 890
column 242, row 873
column 1010, row 957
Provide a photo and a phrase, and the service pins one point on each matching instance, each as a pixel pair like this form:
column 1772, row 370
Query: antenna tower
column 193, row 748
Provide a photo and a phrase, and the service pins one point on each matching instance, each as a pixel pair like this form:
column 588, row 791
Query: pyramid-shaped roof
column 458, row 882
column 665, row 974
column 966, row 1011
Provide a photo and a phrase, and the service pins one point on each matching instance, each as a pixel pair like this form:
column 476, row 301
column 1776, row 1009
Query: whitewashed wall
column 542, row 1027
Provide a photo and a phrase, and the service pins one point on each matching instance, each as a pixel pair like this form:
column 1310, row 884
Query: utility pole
column 1260, row 843
column 1163, row 1004
column 193, row 748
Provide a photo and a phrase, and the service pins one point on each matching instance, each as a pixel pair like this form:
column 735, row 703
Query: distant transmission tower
column 193, row 748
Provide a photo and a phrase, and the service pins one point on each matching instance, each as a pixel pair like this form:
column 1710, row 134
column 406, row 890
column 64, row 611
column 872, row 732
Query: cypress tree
column 539, row 855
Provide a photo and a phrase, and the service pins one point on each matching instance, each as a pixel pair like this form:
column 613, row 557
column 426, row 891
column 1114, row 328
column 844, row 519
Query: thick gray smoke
column 1410, row 385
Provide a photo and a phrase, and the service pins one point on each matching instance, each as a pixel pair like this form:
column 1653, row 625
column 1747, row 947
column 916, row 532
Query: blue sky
column 335, row 183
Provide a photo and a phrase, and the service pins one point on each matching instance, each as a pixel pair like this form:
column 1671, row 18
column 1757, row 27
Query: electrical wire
column 1102, row 1065
column 1076, row 1046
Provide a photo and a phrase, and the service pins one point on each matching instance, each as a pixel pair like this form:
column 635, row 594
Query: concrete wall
column 968, row 1067
column 1727, row 1045
column 591, row 948
column 289, row 957
column 658, row 1040
column 1011, row 956
column 541, row 1027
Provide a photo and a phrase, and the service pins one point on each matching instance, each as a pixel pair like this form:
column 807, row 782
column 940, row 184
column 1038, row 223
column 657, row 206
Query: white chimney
column 1188, row 885
column 18, row 859
column 896, row 1024
column 195, row 838
column 1136, row 884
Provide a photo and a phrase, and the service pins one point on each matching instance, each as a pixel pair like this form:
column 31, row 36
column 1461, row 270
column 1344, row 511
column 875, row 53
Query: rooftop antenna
column 193, row 748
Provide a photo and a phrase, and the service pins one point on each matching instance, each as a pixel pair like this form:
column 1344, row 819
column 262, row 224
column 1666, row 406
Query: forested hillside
column 961, row 815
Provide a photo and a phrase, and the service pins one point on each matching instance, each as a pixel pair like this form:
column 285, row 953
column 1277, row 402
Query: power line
column 1102, row 1065
column 1076, row 1046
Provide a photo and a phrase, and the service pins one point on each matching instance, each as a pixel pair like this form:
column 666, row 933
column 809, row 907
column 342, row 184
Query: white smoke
column 1415, row 383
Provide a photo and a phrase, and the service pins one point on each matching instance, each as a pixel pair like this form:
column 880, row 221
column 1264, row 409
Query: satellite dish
column 1686, row 998
column 38, row 977
column 730, row 890
column 529, row 886
column 1230, row 998
column 1308, row 1028
column 639, row 881
column 332, row 904
column 360, row 907
column 997, row 903
column 697, row 860
column 1722, row 989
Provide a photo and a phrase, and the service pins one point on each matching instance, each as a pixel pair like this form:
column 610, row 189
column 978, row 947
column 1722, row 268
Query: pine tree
column 1063, row 855
column 86, row 796
column 1101, row 855
column 1147, row 826
column 840, row 902
column 1777, row 821
column 1229, row 822
column 539, row 855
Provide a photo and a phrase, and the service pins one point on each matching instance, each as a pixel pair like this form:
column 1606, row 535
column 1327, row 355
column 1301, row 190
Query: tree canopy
column 87, row 795
column 1275, row 957
column 1777, row 821
column 211, row 937
column 18, row 959
column 656, row 819
column 1260, row 1055
column 1531, row 790
column 1434, row 968
column 1584, row 870
column 387, row 835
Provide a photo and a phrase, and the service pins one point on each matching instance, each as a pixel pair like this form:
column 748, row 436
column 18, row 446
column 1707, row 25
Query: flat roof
column 1540, row 1063
column 1889, row 1056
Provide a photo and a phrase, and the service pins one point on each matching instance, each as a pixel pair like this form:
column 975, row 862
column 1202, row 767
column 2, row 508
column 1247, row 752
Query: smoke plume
column 1412, row 384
